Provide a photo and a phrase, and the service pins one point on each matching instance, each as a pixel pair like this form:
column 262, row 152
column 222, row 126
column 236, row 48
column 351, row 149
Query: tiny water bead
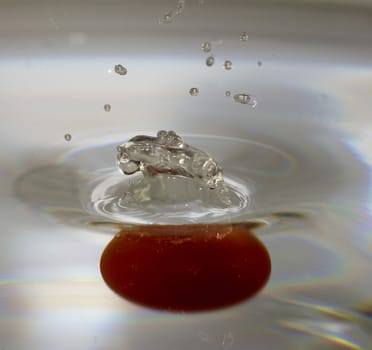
column 209, row 61
column 194, row 91
column 227, row 93
column 107, row 107
column 227, row 65
column 172, row 14
column 68, row 137
column 167, row 18
column 259, row 63
column 186, row 268
column 246, row 99
column 206, row 46
column 244, row 36
column 180, row 6
column 121, row 70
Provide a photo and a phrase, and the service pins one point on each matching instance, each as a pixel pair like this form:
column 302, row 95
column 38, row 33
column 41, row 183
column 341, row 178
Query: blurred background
column 305, row 148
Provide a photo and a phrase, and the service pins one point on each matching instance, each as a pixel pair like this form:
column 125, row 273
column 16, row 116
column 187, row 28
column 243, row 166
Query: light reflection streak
column 338, row 339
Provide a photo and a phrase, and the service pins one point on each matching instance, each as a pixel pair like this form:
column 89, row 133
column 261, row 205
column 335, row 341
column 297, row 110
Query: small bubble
column 227, row 93
column 207, row 46
column 180, row 6
column 244, row 36
column 259, row 63
column 246, row 99
column 68, row 137
column 228, row 65
column 194, row 91
column 107, row 107
column 121, row 70
column 209, row 61
column 167, row 18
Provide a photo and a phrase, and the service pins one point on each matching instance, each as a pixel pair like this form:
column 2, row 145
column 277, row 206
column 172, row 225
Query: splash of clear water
column 169, row 179
column 167, row 153
column 227, row 65
column 207, row 46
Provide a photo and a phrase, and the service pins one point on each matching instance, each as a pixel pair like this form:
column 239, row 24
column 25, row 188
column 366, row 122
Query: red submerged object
column 186, row 267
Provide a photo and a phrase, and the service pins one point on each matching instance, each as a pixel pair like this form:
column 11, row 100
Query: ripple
column 134, row 199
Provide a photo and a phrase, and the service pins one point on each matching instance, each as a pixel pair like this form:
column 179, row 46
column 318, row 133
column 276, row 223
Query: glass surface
column 304, row 151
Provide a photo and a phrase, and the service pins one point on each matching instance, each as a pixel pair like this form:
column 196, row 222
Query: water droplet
column 194, row 91
column 121, row 70
column 149, row 155
column 107, row 107
column 171, row 15
column 209, row 61
column 228, row 93
column 246, row 99
column 259, row 63
column 228, row 65
column 68, row 137
column 167, row 18
column 243, row 36
column 207, row 46
column 180, row 6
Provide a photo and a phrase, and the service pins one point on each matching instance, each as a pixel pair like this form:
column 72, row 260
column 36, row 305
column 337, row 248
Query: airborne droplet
column 246, row 99
column 227, row 93
column 209, row 61
column 167, row 18
column 68, row 137
column 243, row 36
column 107, row 107
column 207, row 46
column 228, row 65
column 194, row 91
column 121, row 70
column 180, row 268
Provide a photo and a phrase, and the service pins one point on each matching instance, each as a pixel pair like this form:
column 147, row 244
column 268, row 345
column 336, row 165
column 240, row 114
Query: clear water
column 305, row 150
